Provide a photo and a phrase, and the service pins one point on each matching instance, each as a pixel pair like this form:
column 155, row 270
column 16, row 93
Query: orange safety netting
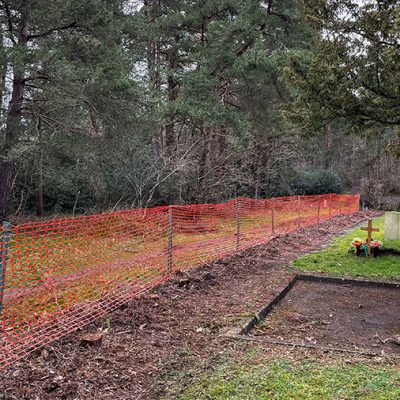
column 59, row 275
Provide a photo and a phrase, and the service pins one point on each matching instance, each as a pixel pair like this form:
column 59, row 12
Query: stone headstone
column 392, row 225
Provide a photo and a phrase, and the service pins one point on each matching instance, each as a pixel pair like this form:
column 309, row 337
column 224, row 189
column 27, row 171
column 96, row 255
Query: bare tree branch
column 50, row 31
column 283, row 17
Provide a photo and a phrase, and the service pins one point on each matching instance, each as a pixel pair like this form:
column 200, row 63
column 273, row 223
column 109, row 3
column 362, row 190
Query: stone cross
column 369, row 229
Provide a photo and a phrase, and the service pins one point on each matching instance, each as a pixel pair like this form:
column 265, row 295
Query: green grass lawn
column 337, row 261
column 253, row 378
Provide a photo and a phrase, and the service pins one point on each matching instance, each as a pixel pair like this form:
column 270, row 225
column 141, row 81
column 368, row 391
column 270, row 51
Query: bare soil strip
column 350, row 315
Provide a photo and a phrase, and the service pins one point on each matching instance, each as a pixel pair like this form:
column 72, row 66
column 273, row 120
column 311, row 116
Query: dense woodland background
column 110, row 103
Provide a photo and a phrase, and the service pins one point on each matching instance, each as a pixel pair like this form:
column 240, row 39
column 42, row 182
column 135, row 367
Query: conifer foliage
column 110, row 103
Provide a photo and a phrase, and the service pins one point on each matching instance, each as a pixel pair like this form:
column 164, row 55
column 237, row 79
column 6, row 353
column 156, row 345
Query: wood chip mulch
column 176, row 331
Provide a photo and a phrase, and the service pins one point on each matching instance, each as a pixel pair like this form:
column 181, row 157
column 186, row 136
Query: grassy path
column 256, row 378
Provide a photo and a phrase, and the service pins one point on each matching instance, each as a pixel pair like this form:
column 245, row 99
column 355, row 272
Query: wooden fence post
column 237, row 224
column 298, row 212
column 273, row 220
column 170, row 239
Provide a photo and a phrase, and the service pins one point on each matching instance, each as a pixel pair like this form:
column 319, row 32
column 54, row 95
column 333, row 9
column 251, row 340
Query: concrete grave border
column 263, row 313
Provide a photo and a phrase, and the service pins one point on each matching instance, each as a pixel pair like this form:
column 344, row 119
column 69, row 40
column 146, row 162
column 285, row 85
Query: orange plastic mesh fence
column 59, row 275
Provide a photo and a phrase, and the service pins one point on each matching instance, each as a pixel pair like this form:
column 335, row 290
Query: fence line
column 59, row 275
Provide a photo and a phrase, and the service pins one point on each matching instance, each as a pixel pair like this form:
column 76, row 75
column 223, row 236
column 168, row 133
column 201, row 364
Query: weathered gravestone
column 392, row 225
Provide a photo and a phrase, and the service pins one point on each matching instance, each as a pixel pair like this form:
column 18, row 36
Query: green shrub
column 316, row 182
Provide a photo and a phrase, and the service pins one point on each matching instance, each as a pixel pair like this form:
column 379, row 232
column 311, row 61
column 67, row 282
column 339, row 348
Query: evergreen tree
column 354, row 73
column 56, row 54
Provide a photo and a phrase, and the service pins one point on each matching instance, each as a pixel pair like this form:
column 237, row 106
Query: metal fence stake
column 170, row 237
column 4, row 247
column 237, row 225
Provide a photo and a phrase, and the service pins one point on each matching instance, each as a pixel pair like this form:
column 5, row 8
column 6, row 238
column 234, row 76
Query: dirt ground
column 344, row 316
column 171, row 334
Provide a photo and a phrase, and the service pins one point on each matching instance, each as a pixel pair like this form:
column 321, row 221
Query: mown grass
column 336, row 260
column 256, row 379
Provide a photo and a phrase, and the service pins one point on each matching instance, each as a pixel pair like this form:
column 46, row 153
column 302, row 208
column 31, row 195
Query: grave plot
column 345, row 315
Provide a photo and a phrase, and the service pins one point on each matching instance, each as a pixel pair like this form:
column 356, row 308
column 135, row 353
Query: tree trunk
column 204, row 164
column 17, row 96
column 6, row 175
column 39, row 173
column 154, row 67
column 3, row 75
column 12, row 126
column 173, row 90
column 257, row 182
column 328, row 146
